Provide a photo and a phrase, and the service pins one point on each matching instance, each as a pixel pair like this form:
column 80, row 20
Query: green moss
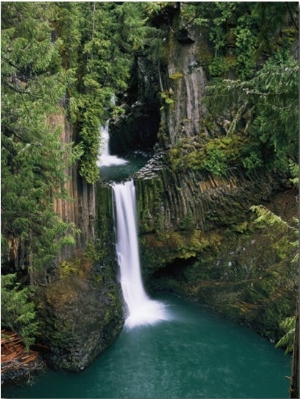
column 79, row 266
column 168, row 98
column 176, row 76
column 216, row 155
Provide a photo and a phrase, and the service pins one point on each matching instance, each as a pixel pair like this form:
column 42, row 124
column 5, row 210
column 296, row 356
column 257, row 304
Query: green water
column 195, row 354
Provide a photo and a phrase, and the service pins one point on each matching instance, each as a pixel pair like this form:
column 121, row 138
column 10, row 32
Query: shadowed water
column 104, row 156
column 195, row 354
column 114, row 168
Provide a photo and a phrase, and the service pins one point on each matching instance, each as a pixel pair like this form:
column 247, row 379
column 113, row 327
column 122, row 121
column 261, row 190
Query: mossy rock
column 80, row 312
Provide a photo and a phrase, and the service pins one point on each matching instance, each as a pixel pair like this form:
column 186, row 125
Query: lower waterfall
column 139, row 307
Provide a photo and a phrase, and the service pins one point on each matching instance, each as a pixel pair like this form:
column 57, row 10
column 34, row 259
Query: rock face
column 140, row 123
column 82, row 314
column 173, row 196
column 79, row 302
column 184, row 85
column 199, row 239
column 81, row 209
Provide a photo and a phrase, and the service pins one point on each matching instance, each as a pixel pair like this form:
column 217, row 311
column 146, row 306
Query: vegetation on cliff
column 252, row 71
column 57, row 59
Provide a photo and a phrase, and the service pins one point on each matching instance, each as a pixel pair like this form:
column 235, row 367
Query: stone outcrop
column 81, row 208
column 81, row 313
column 171, row 196
column 183, row 86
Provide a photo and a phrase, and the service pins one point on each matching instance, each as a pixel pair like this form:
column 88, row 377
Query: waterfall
column 140, row 308
column 104, row 156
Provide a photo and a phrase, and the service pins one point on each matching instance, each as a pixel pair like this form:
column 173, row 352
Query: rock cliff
column 79, row 300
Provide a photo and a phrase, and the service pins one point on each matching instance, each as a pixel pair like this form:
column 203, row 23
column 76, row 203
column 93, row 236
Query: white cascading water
column 140, row 308
column 104, row 157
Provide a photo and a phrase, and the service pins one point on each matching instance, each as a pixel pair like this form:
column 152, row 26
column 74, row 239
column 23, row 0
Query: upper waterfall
column 113, row 168
column 104, row 156
column 140, row 308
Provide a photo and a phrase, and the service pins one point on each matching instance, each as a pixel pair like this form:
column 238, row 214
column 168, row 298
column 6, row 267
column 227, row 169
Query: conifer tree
column 18, row 312
column 34, row 160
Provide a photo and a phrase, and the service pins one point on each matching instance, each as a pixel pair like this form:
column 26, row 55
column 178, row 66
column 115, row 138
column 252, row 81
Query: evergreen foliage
column 57, row 57
column 107, row 36
column 287, row 341
column 254, row 44
column 243, row 33
column 17, row 311
column 265, row 216
column 34, row 160
column 269, row 102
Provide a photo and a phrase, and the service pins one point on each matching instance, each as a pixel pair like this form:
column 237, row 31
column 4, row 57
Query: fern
column 294, row 171
column 288, row 325
column 265, row 215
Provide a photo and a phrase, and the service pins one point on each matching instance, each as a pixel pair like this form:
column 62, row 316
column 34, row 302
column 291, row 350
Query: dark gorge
column 216, row 191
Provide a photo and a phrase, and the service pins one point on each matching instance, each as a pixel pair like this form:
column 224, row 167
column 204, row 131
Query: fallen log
column 16, row 361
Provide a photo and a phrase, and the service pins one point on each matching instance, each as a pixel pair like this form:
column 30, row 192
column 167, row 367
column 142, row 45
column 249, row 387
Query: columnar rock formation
column 80, row 302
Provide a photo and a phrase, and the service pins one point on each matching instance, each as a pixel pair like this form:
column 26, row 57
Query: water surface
column 194, row 354
column 117, row 173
